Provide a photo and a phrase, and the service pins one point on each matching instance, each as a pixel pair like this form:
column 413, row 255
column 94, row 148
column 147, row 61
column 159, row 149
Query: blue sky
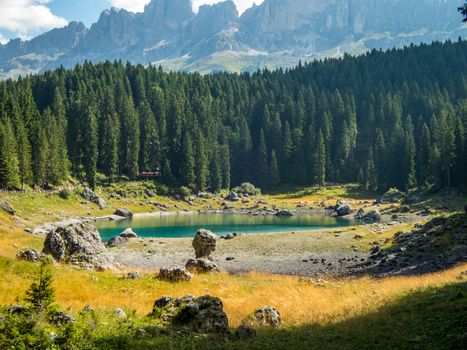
column 28, row 18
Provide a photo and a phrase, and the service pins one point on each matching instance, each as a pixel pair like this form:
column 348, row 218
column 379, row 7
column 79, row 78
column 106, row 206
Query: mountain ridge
column 277, row 33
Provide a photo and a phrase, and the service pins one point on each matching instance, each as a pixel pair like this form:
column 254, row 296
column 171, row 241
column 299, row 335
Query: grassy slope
column 345, row 313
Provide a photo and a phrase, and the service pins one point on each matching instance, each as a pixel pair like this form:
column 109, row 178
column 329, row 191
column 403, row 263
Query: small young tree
column 41, row 294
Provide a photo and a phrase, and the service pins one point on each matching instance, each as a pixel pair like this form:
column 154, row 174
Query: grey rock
column 132, row 275
column 149, row 193
column 79, row 244
column 120, row 313
column 31, row 255
column 343, row 209
column 233, row 197
column 391, row 196
column 204, row 243
column 124, row 213
column 372, row 216
column 360, row 214
column 201, row 266
column 174, row 275
column 204, row 314
column 17, row 309
column 129, row 233
column 92, row 197
column 284, row 213
column 60, row 318
column 265, row 316
column 5, row 206
column 116, row 241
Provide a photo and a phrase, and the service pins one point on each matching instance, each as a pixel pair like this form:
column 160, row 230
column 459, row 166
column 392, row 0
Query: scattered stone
column 229, row 258
column 404, row 209
column 116, row 241
column 120, row 313
column 92, row 197
column 201, row 266
column 17, row 309
column 245, row 332
column 205, row 314
column 375, row 250
column 358, row 236
column 284, row 213
column 204, row 243
column 129, row 233
column 31, row 255
column 233, row 197
column 228, row 237
column 88, row 308
column 174, row 275
column 4, row 205
column 132, row 275
column 342, row 208
column 265, row 316
column 59, row 318
column 124, row 213
column 149, row 193
column 79, row 244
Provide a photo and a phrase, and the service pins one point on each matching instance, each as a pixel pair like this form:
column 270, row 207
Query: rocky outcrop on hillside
column 277, row 32
column 439, row 244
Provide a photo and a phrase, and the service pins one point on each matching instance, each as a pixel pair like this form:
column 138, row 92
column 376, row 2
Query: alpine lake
column 186, row 225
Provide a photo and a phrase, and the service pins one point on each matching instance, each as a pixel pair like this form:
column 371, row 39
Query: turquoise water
column 177, row 226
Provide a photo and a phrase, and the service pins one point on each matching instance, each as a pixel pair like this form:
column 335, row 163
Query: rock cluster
column 31, row 255
column 391, row 196
column 79, row 244
column 439, row 244
column 204, row 314
column 122, row 238
column 174, row 275
column 342, row 208
column 92, row 197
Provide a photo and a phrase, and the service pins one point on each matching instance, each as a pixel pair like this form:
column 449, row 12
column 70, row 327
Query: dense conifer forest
column 385, row 119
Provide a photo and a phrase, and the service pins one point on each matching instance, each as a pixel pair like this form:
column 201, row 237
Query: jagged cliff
column 276, row 33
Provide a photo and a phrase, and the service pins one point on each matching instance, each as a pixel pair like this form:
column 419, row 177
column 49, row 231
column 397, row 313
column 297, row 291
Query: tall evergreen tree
column 9, row 167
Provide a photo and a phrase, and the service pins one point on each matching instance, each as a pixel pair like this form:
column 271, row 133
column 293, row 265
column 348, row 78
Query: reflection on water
column 176, row 226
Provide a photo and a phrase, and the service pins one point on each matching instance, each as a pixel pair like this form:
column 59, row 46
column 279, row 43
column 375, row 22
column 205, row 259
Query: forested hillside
column 395, row 118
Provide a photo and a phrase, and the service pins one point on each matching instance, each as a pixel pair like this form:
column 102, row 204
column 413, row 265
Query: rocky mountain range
column 277, row 33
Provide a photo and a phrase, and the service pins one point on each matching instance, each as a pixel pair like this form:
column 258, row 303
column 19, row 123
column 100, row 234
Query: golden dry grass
column 300, row 302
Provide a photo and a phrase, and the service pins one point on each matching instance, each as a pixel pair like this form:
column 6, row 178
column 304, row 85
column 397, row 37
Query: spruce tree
column 320, row 161
column 41, row 294
column 9, row 167
column 24, row 155
column 274, row 175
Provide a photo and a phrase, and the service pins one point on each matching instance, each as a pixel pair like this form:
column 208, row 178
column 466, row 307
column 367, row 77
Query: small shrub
column 65, row 193
column 163, row 190
column 247, row 188
column 184, row 192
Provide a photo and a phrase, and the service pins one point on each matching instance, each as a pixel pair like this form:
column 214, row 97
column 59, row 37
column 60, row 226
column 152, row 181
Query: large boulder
column 124, row 213
column 175, row 275
column 201, row 266
column 343, row 209
column 205, row 243
column 5, row 206
column 265, row 316
column 233, row 197
column 204, row 314
column 92, row 197
column 116, row 241
column 129, row 233
column 391, row 196
column 79, row 244
column 372, row 216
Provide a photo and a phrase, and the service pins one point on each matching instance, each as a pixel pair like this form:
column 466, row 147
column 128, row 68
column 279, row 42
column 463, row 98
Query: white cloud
column 3, row 40
column 138, row 5
column 26, row 17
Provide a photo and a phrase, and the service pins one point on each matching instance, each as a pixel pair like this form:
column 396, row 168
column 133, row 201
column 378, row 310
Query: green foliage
column 65, row 193
column 401, row 121
column 247, row 188
column 41, row 294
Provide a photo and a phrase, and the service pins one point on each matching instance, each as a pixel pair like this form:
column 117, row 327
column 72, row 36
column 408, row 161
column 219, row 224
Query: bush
column 247, row 188
column 184, row 192
column 65, row 193
column 163, row 190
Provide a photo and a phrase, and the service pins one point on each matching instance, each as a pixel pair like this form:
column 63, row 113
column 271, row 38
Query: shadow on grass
column 429, row 319
column 349, row 191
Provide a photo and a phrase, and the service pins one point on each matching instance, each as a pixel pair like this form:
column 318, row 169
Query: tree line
column 384, row 119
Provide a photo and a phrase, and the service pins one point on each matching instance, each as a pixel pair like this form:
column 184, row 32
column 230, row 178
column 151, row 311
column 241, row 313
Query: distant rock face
column 205, row 243
column 79, row 244
column 277, row 32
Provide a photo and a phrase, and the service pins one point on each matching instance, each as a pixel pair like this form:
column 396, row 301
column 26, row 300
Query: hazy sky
column 27, row 18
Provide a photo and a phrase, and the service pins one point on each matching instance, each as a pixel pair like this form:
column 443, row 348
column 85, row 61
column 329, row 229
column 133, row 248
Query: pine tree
column 187, row 166
column 215, row 170
column 262, row 164
column 9, row 167
column 89, row 143
column 274, row 175
column 320, row 160
column 225, row 161
column 24, row 155
column 110, row 130
column 409, row 155
column 201, row 162
column 41, row 294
